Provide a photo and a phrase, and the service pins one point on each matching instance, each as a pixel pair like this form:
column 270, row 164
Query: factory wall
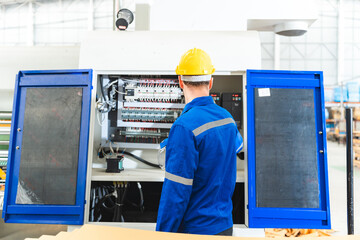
column 55, row 22
column 65, row 22
column 318, row 48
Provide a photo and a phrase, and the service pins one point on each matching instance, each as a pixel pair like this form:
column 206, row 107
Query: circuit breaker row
column 153, row 90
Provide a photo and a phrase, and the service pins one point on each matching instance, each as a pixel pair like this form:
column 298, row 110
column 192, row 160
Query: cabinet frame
column 288, row 217
column 42, row 213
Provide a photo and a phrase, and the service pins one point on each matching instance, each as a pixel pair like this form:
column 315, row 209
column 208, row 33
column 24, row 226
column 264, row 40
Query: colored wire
column 105, row 152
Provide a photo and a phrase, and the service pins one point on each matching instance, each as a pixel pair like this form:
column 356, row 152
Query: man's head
column 194, row 70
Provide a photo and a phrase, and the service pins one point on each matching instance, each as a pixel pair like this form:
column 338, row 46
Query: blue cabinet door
column 46, row 174
column 287, row 161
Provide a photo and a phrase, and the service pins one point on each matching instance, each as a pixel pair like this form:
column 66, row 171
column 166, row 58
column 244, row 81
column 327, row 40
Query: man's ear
column 181, row 83
column 210, row 84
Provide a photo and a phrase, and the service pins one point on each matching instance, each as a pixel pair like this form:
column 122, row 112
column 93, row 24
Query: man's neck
column 192, row 94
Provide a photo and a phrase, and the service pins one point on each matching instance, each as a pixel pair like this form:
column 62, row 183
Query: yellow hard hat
column 195, row 62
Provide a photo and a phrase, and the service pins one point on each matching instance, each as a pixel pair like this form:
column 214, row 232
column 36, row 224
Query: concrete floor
column 337, row 182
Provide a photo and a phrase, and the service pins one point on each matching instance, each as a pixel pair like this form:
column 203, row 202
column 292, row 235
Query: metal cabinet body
column 300, row 144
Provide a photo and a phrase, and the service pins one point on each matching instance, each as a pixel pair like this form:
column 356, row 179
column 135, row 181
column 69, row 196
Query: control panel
column 216, row 97
column 233, row 103
column 142, row 109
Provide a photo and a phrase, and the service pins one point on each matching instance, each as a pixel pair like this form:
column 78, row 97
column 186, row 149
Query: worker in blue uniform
column 200, row 165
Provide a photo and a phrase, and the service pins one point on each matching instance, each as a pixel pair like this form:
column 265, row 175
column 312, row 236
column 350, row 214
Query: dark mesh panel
column 50, row 146
column 286, row 157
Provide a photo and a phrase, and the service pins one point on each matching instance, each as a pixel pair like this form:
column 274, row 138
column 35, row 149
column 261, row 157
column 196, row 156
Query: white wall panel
column 14, row 59
column 160, row 51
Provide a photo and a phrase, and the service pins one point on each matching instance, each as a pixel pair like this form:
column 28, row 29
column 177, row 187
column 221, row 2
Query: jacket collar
column 199, row 101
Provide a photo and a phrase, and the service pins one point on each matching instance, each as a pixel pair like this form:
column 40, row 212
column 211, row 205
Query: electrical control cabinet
column 135, row 114
column 132, row 114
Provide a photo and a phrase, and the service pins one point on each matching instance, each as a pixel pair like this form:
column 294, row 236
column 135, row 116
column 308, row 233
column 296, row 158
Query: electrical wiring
column 141, row 204
column 131, row 80
column 121, row 190
column 108, row 202
column 101, row 153
column 92, row 204
column 141, row 201
column 141, row 160
column 102, row 89
column 111, row 149
column 119, row 92
column 101, row 122
column 111, row 83
column 108, row 102
column 106, row 152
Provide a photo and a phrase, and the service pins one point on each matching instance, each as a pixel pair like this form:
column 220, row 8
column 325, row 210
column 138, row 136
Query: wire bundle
column 110, row 200
column 104, row 152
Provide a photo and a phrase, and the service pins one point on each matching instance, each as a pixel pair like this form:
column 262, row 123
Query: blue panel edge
column 257, row 222
column 11, row 146
column 57, row 71
column 288, row 223
column 81, row 189
column 283, row 72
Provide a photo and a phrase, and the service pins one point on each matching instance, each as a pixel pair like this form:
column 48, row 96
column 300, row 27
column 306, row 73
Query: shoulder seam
column 183, row 126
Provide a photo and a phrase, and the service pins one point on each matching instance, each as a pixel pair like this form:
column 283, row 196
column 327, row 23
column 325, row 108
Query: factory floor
column 337, row 182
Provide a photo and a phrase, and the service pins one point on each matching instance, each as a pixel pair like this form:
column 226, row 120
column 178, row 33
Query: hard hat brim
column 196, row 78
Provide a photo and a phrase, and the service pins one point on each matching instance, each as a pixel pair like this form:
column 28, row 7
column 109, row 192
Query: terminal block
column 142, row 135
column 150, row 114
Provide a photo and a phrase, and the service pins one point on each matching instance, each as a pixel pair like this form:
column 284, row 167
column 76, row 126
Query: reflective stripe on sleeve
column 213, row 124
column 237, row 150
column 178, row 179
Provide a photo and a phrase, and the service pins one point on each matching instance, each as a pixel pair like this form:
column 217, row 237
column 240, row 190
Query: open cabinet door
column 287, row 161
column 46, row 173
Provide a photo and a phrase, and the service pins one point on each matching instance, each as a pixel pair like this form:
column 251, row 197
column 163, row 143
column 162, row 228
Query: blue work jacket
column 200, row 170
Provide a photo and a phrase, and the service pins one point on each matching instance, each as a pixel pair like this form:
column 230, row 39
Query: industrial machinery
column 125, row 107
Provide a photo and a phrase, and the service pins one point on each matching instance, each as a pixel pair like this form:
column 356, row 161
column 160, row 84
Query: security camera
column 124, row 18
column 291, row 28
